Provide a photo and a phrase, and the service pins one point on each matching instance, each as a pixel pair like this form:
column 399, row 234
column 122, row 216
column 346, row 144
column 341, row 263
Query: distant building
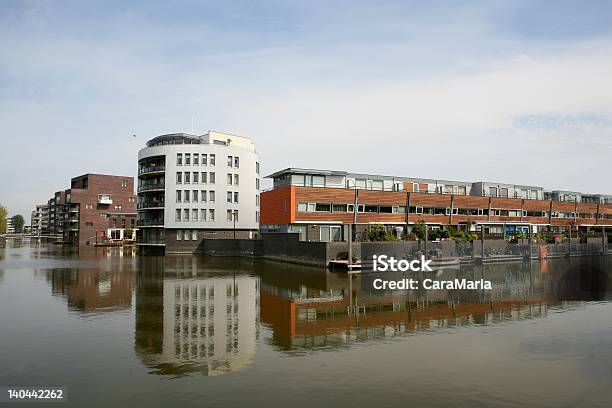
column 194, row 187
column 9, row 226
column 95, row 208
column 39, row 219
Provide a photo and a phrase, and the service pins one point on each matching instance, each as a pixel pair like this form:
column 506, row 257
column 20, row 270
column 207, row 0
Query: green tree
column 18, row 223
column 418, row 229
column 3, row 214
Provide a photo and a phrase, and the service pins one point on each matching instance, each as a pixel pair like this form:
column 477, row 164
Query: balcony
column 153, row 222
column 150, row 205
column 151, row 169
column 105, row 199
column 151, row 187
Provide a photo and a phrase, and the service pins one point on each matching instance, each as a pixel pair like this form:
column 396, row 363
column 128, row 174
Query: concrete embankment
column 288, row 248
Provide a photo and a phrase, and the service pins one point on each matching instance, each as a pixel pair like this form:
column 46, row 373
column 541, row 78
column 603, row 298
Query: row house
column 320, row 204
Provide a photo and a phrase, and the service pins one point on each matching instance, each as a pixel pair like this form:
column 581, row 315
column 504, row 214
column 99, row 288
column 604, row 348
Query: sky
column 505, row 91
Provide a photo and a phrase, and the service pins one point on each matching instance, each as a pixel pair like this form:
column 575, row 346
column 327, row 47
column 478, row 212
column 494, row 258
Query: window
column 302, row 207
column 415, row 187
column 377, row 185
column 194, row 196
column 235, row 197
column 503, row 192
column 124, row 183
column 186, row 196
column 236, row 179
column 179, row 177
column 211, row 196
column 211, row 213
column 229, row 179
column 322, row 207
column 187, row 177
column 256, row 216
column 318, row 181
column 311, row 207
column 229, row 215
column 194, row 215
column 360, row 183
column 492, row 191
column 178, row 215
column 330, row 233
column 371, row 209
column 131, row 199
column 203, row 215
column 178, row 196
column 90, row 206
column 179, row 159
column 338, row 207
column 399, row 209
column 212, row 159
column 203, row 196
column 194, row 233
column 230, row 161
column 256, row 167
column 256, row 200
column 257, row 183
column 203, row 179
column 185, row 214
column 195, row 177
column 229, row 196
column 236, row 162
column 187, row 159
column 196, row 159
column 385, row 209
column 236, row 215
column 204, row 160
column 179, row 235
column 118, row 207
column 211, row 178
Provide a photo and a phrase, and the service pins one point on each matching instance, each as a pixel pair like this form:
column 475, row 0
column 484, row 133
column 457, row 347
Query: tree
column 3, row 214
column 18, row 223
column 418, row 229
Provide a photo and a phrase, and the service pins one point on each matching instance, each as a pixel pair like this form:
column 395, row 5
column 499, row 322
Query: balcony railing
column 151, row 187
column 151, row 222
column 151, row 169
column 152, row 204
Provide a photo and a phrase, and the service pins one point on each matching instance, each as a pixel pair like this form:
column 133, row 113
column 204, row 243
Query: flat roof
column 298, row 170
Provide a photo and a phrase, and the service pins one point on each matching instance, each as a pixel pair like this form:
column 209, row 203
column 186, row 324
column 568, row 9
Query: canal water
column 120, row 330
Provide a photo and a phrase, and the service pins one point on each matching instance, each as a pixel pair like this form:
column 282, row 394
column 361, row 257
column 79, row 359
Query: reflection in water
column 191, row 318
column 332, row 312
column 102, row 282
column 541, row 337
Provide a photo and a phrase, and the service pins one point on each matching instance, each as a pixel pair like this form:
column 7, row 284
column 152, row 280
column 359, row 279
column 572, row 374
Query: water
column 121, row 330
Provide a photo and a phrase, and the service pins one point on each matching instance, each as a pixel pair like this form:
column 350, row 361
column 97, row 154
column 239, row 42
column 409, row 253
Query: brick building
column 95, row 208
column 320, row 204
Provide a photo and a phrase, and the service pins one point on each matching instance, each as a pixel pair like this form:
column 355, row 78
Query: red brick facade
column 280, row 206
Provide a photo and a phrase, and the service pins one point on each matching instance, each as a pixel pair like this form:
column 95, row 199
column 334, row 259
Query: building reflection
column 193, row 317
column 96, row 279
column 336, row 310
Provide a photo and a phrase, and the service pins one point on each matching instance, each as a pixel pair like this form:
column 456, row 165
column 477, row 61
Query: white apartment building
column 193, row 187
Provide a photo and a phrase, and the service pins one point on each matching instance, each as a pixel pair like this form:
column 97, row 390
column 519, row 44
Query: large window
column 330, row 233
column 323, row 207
column 318, row 181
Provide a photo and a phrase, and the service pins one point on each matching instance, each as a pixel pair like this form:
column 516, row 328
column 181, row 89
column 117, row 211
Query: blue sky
column 515, row 91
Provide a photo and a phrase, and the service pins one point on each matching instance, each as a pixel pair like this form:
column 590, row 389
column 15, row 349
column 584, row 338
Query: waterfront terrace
column 321, row 204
